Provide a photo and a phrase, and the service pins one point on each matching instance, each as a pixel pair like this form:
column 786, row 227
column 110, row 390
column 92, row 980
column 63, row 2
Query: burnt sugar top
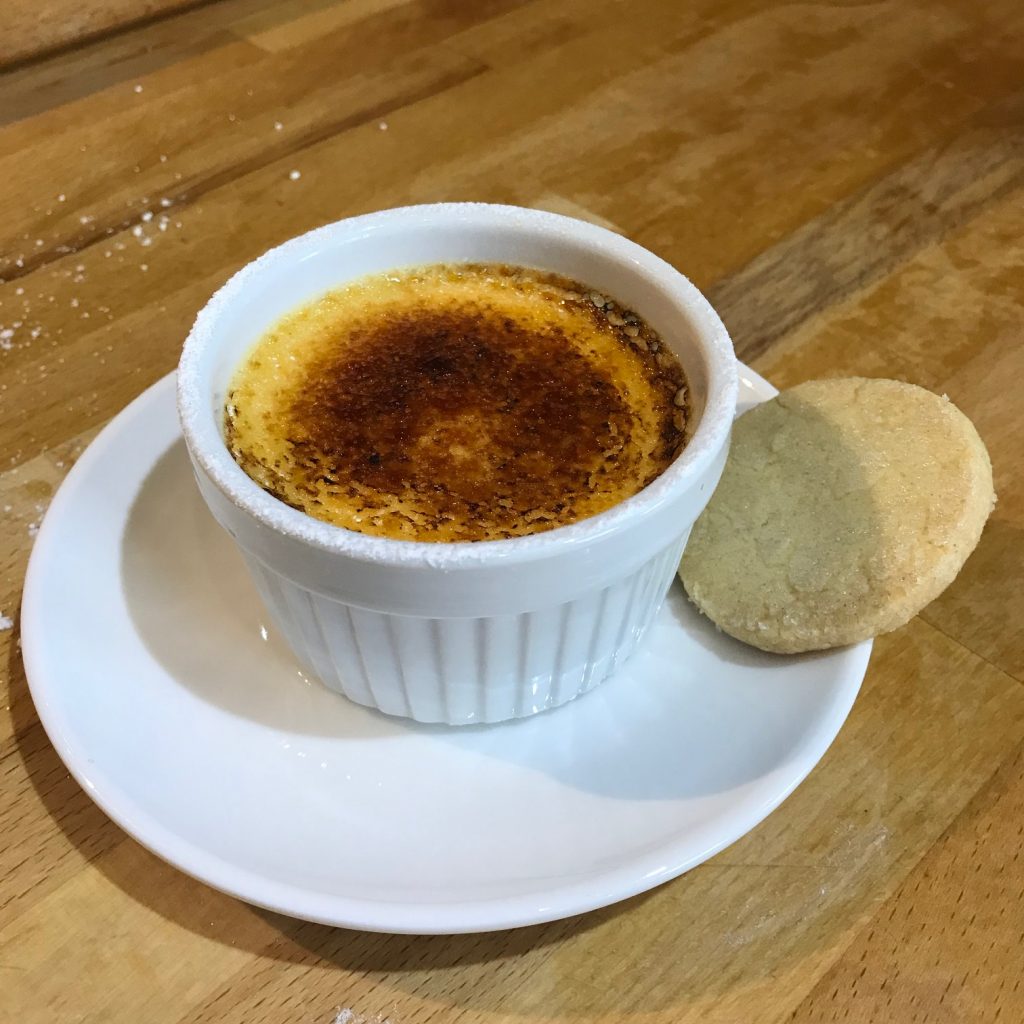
column 457, row 402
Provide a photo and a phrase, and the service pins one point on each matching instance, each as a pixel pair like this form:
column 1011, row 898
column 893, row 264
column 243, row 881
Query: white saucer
column 188, row 722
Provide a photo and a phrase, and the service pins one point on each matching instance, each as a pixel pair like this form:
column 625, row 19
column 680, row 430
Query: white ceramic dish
column 460, row 633
column 152, row 669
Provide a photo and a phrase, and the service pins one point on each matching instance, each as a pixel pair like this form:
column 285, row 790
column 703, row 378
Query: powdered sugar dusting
column 856, row 849
column 346, row 1015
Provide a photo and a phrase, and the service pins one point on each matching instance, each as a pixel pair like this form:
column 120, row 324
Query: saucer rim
column 588, row 891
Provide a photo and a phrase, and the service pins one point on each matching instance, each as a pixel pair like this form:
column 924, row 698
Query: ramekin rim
column 206, row 445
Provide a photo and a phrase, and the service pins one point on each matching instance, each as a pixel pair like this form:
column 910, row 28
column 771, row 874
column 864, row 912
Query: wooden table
column 845, row 181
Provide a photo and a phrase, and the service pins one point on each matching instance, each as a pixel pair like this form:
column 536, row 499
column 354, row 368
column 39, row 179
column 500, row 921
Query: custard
column 457, row 402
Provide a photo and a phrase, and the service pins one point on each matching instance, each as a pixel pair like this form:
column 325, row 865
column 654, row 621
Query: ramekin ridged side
column 464, row 632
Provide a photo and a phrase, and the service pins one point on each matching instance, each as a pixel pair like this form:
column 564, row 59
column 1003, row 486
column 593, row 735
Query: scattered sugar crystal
column 383, row 126
column 6, row 622
column 147, row 216
column 295, row 175
column 278, row 126
column 138, row 88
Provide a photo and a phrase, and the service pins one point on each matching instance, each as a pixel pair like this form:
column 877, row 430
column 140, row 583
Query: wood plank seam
column 814, row 267
column 41, row 56
column 959, row 641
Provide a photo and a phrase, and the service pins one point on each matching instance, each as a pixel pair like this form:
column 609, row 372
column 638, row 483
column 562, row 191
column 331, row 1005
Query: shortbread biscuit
column 845, row 507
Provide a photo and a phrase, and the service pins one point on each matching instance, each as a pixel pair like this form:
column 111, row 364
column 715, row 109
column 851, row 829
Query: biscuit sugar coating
column 845, row 507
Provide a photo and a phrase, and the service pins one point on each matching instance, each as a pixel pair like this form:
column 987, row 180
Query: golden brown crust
column 845, row 507
column 457, row 403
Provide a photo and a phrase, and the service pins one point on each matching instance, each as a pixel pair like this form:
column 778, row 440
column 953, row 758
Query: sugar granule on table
column 295, row 175
column 346, row 1015
column 6, row 622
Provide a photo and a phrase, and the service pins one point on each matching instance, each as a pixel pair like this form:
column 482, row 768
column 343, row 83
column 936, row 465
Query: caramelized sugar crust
column 457, row 402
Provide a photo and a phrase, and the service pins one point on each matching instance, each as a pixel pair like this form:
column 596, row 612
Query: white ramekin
column 468, row 632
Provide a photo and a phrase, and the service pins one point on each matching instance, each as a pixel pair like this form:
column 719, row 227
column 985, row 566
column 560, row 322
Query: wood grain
column 956, row 330
column 30, row 31
column 934, row 950
column 846, row 182
column 919, row 203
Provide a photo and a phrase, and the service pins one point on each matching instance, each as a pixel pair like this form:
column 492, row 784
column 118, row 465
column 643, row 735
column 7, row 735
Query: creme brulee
column 457, row 402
